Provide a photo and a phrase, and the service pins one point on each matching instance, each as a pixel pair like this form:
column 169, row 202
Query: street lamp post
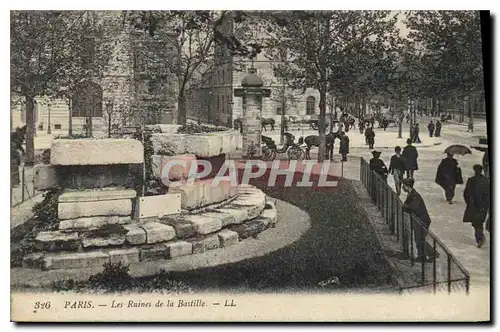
column 109, row 110
column 49, row 129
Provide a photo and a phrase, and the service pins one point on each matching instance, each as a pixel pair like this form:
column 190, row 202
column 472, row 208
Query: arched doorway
column 310, row 105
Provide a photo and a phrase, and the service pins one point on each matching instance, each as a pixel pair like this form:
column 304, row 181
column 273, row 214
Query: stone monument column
column 252, row 94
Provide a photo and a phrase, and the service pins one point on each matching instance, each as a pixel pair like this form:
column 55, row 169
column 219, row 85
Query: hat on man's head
column 376, row 153
column 408, row 141
column 477, row 168
column 408, row 182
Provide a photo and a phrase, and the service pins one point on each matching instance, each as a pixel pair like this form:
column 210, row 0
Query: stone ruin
column 102, row 218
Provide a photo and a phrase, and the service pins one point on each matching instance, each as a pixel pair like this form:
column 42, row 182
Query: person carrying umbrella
column 415, row 205
column 431, row 128
column 477, row 199
column 437, row 133
column 410, row 156
column 397, row 168
column 446, row 176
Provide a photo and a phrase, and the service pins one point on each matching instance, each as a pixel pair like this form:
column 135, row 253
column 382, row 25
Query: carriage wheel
column 295, row 153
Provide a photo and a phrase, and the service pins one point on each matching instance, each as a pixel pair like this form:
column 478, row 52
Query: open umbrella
column 458, row 149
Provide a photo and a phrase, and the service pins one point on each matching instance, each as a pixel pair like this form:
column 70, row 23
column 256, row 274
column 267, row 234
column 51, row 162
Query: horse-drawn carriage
column 292, row 149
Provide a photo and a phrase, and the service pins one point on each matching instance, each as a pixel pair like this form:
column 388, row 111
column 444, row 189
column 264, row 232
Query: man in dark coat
column 431, row 128
column 477, row 198
column 437, row 133
column 410, row 155
column 344, row 146
column 370, row 137
column 397, row 168
column 378, row 165
column 420, row 221
column 446, row 176
column 416, row 133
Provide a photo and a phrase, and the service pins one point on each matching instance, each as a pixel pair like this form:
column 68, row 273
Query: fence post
column 448, row 258
column 411, row 240
column 23, row 179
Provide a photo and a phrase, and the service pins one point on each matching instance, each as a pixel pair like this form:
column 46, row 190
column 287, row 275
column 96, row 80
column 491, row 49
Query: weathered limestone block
column 73, row 210
column 158, row 206
column 184, row 229
column 179, row 248
column 75, row 260
column 168, row 144
column 204, row 244
column 191, row 194
column 33, row 261
column 135, row 235
column 45, row 177
column 203, row 145
column 93, row 222
column 106, row 194
column 125, row 256
column 225, row 218
column 57, row 240
column 253, row 203
column 239, row 215
column 178, row 171
column 270, row 214
column 156, row 232
column 204, row 224
column 227, row 238
column 98, row 176
column 96, row 151
column 103, row 241
column 153, row 252
column 202, row 193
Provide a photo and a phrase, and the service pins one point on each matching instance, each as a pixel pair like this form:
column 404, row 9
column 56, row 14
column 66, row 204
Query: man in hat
column 420, row 222
column 431, row 128
column 446, row 176
column 410, row 156
column 378, row 165
column 370, row 137
column 416, row 134
column 477, row 199
column 437, row 133
column 344, row 146
column 397, row 168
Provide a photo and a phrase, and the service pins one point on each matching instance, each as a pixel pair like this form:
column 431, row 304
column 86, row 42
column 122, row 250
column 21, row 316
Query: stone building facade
column 122, row 97
column 214, row 101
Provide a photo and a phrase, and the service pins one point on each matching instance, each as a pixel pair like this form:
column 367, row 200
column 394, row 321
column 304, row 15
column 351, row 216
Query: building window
column 310, row 105
column 57, row 127
column 223, row 105
column 279, row 110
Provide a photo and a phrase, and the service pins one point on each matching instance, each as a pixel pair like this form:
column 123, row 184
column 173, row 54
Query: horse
column 269, row 121
column 313, row 140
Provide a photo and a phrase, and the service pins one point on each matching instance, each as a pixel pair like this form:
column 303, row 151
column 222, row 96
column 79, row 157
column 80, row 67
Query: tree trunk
column 70, row 117
column 322, row 114
column 30, row 131
column 181, row 109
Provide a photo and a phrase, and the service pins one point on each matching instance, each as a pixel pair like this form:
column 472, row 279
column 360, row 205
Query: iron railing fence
column 442, row 271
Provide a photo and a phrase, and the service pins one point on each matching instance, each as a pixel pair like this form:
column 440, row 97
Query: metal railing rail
column 443, row 268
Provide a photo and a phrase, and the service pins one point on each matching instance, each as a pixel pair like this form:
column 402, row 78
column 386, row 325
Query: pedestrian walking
column 470, row 125
column 477, row 199
column 397, row 168
column 437, row 133
column 370, row 137
column 420, row 220
column 447, row 176
column 378, row 165
column 410, row 158
column 431, row 128
column 416, row 133
column 344, row 146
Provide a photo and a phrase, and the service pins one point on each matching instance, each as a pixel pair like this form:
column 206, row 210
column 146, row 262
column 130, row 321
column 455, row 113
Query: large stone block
column 135, row 235
column 105, row 194
column 238, row 215
column 203, row 145
column 179, row 170
column 227, row 238
column 202, row 193
column 184, row 229
column 153, row 252
column 204, row 224
column 73, row 210
column 33, row 261
column 156, row 232
column 75, row 260
column 179, row 248
column 125, row 256
column 45, row 177
column 253, row 203
column 204, row 244
column 168, row 144
column 96, row 151
column 57, row 240
column 98, row 176
column 103, row 241
column 87, row 223
column 225, row 218
column 158, row 206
